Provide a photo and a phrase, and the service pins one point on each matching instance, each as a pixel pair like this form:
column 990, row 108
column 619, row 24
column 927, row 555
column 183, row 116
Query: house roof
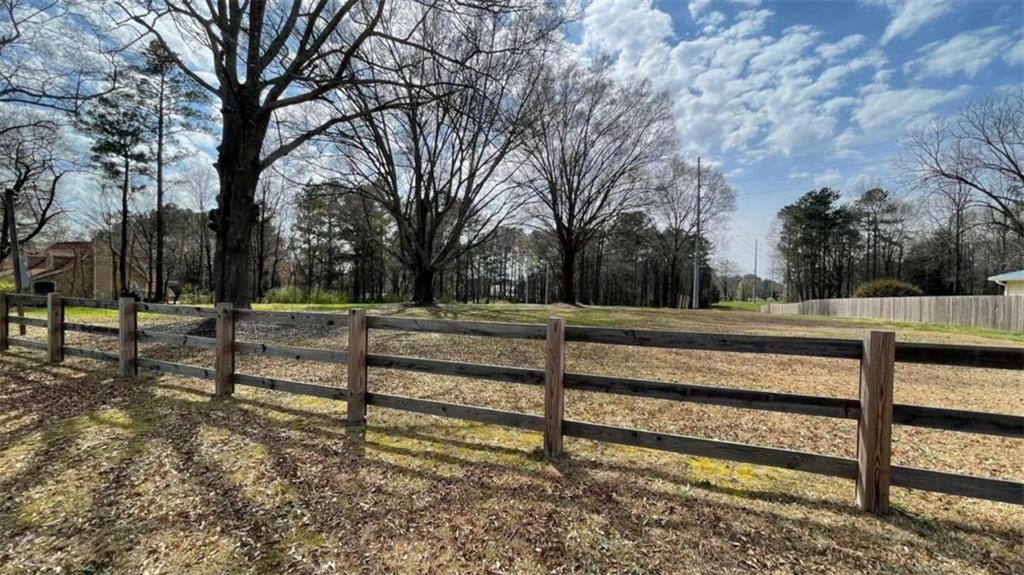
column 67, row 249
column 1008, row 276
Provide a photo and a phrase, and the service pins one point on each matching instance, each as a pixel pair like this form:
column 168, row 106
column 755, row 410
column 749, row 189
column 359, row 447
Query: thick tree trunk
column 568, row 274
column 12, row 228
column 423, row 287
column 238, row 165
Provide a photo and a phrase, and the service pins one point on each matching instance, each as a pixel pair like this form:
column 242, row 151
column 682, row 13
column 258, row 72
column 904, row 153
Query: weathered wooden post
column 4, row 323
column 357, row 344
column 554, row 372
column 54, row 328
column 128, row 349
column 224, row 379
column 874, row 429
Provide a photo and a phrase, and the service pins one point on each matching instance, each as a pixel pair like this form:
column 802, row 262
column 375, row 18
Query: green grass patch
column 930, row 328
column 754, row 305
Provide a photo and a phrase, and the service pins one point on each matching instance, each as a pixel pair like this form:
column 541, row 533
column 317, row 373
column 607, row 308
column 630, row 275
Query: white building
column 1012, row 282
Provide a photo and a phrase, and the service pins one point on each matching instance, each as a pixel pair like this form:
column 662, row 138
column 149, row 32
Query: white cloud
column 788, row 48
column 967, row 52
column 697, row 7
column 909, row 15
column 828, row 178
column 742, row 91
column 627, row 29
column 712, row 20
column 886, row 108
column 1015, row 55
column 832, row 51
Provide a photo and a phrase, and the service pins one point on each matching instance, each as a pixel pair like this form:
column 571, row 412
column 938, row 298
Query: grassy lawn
column 741, row 305
column 103, row 474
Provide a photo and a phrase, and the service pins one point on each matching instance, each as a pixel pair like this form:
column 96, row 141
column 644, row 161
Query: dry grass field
column 100, row 474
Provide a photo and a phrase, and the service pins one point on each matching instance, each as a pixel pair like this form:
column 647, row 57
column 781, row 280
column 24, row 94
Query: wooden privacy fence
column 874, row 411
column 988, row 311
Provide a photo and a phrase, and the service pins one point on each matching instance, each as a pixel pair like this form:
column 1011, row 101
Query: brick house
column 78, row 269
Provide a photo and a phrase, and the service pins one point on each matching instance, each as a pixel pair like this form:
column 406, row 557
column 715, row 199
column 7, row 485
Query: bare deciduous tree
column 45, row 61
column 675, row 205
column 272, row 62
column 589, row 155
column 431, row 143
column 981, row 149
column 199, row 182
column 29, row 175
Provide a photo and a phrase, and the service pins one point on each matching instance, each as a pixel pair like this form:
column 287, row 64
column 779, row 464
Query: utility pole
column 696, row 248
column 755, row 268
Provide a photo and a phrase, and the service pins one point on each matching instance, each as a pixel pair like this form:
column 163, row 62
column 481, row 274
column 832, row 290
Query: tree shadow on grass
column 315, row 493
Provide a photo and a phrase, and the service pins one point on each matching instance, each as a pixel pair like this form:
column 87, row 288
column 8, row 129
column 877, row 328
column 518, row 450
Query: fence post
column 128, row 347
column 54, row 328
column 554, row 371
column 874, row 429
column 4, row 323
column 224, row 381
column 357, row 343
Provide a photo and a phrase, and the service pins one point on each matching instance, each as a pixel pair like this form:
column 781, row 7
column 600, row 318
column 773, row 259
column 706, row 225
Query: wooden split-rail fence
column 874, row 411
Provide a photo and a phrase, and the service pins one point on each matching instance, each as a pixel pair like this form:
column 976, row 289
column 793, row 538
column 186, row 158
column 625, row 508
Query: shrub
column 190, row 296
column 299, row 295
column 887, row 288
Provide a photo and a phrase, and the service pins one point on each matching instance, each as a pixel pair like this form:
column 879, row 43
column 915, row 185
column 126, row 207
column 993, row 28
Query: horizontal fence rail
column 290, row 386
column 292, row 318
column 442, row 367
column 807, row 346
column 29, row 321
column 174, row 339
column 182, row 310
column 93, row 329
column 872, row 472
column 961, row 355
column 91, row 354
column 27, row 299
column 475, row 328
column 289, row 352
column 93, row 303
column 27, row 343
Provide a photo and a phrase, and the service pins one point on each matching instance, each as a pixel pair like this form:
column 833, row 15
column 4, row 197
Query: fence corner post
column 554, row 375
column 128, row 349
column 224, row 378
column 4, row 323
column 874, row 428
column 54, row 328
column 357, row 344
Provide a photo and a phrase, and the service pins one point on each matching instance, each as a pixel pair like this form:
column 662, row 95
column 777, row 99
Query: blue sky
column 787, row 96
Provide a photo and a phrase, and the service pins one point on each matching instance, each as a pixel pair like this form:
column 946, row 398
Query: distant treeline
column 826, row 247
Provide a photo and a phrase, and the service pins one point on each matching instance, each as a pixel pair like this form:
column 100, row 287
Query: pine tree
column 122, row 148
column 173, row 106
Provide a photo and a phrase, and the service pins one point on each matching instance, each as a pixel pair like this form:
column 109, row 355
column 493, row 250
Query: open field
column 103, row 474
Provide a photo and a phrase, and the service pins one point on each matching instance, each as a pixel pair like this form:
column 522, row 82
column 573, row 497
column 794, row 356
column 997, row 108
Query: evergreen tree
column 173, row 100
column 122, row 148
